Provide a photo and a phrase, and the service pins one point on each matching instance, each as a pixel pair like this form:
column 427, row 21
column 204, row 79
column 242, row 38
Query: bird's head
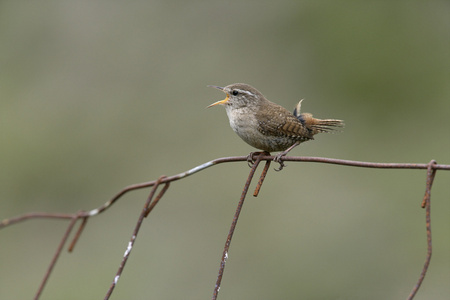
column 239, row 95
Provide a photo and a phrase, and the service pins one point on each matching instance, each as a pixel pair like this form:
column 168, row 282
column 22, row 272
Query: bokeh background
column 97, row 95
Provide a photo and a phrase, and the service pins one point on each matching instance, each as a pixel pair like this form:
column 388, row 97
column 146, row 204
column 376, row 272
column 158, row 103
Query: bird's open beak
column 221, row 101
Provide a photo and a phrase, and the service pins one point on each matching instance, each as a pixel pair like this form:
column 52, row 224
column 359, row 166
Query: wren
column 268, row 126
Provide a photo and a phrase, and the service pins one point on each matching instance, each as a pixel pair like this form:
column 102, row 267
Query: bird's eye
column 234, row 93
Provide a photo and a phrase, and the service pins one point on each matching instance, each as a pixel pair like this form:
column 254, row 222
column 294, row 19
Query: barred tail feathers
column 319, row 125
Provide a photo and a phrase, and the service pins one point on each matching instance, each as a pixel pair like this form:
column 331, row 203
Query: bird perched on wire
column 268, row 126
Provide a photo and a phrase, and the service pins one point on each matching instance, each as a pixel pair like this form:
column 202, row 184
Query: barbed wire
column 151, row 202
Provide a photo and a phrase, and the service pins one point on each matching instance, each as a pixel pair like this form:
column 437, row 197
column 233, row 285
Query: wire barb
column 261, row 178
column 426, row 203
column 78, row 233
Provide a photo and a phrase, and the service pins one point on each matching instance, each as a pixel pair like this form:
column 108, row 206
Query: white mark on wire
column 116, row 279
column 94, row 212
column 196, row 169
column 130, row 245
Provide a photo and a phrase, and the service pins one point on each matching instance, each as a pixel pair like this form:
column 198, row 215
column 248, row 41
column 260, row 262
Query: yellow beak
column 221, row 101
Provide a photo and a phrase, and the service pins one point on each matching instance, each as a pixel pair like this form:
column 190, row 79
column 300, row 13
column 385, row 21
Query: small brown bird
column 268, row 126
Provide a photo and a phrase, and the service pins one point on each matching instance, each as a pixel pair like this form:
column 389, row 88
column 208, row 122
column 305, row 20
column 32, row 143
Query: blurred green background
column 96, row 95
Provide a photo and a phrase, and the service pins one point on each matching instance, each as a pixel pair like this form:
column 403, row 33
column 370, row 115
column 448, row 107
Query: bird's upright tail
column 317, row 125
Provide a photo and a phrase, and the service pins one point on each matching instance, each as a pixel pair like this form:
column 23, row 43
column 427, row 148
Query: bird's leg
column 251, row 160
column 280, row 155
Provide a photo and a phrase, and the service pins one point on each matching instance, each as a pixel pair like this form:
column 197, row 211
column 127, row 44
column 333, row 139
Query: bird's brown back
column 275, row 120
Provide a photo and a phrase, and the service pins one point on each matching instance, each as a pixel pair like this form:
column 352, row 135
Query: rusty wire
column 234, row 223
column 149, row 205
column 56, row 256
column 431, row 168
column 426, row 203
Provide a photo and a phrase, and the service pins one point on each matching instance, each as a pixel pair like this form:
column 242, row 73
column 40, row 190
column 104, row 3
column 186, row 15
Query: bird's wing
column 281, row 122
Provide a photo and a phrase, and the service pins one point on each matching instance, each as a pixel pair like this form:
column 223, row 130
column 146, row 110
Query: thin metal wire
column 55, row 257
column 426, row 203
column 96, row 211
column 431, row 171
column 143, row 215
column 233, row 227
column 261, row 178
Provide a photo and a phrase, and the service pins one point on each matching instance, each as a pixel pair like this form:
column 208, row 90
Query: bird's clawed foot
column 251, row 157
column 280, row 161
column 279, row 156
